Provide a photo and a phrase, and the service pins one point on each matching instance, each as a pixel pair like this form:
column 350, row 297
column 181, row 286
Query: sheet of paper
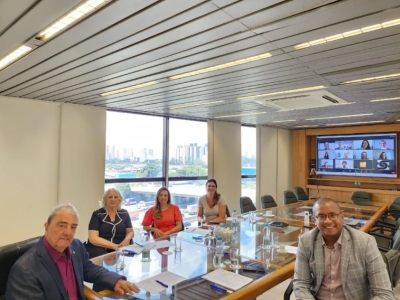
column 230, row 280
column 160, row 244
column 153, row 287
column 291, row 249
column 351, row 221
column 135, row 248
column 306, row 207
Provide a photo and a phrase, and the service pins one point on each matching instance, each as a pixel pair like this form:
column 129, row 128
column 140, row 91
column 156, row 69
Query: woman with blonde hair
column 110, row 226
column 164, row 218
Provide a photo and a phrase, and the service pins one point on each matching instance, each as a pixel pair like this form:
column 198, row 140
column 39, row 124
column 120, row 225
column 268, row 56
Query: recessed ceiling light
column 354, row 123
column 241, row 115
column 337, row 117
column 283, row 92
column 129, row 88
column 195, row 104
column 283, row 121
column 347, row 34
column 386, row 99
column 222, row 66
column 71, row 18
column 390, row 76
column 13, row 56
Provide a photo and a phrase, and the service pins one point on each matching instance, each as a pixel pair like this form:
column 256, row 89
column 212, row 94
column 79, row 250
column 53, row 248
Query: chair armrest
column 90, row 294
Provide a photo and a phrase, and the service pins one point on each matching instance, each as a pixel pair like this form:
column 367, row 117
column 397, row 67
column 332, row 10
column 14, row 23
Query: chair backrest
column 385, row 259
column 361, row 198
column 9, row 254
column 289, row 197
column 394, row 209
column 301, row 195
column 246, row 205
column 228, row 214
column 267, row 201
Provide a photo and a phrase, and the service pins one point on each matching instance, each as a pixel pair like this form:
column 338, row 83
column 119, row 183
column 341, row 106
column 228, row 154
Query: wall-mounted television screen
column 371, row 155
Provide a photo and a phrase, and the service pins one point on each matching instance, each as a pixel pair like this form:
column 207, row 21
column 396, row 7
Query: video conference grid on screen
column 357, row 155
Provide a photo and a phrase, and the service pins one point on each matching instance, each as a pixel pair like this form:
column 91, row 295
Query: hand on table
column 158, row 233
column 122, row 287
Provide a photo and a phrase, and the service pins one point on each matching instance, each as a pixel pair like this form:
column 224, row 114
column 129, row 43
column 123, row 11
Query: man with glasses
column 335, row 261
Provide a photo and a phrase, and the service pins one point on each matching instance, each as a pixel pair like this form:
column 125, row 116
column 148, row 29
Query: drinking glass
column 235, row 256
column 119, row 265
column 275, row 239
column 177, row 243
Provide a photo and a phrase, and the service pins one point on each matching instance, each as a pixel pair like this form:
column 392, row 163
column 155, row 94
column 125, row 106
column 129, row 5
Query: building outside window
column 249, row 140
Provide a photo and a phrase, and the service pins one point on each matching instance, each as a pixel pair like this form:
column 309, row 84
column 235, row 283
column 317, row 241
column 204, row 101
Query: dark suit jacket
column 35, row 276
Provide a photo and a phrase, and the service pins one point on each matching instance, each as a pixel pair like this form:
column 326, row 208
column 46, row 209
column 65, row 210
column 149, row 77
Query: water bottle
column 235, row 239
column 306, row 219
column 234, row 220
column 146, row 248
column 266, row 237
column 219, row 254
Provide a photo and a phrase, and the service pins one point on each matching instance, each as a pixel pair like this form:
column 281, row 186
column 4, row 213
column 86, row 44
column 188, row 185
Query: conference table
column 266, row 268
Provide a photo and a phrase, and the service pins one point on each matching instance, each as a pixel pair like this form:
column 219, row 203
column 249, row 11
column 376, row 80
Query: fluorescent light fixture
column 371, row 79
column 241, row 115
column 195, row 104
column 282, row 121
column 337, row 124
column 222, row 66
column 386, row 99
column 348, row 34
column 74, row 16
column 13, row 56
column 283, row 92
column 337, row 117
column 307, row 126
column 130, row 88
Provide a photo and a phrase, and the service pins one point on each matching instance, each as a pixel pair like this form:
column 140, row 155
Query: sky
column 126, row 130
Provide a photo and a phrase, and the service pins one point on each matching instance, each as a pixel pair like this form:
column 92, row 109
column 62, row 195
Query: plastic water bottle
column 234, row 220
column 266, row 237
column 146, row 248
column 235, row 239
column 219, row 253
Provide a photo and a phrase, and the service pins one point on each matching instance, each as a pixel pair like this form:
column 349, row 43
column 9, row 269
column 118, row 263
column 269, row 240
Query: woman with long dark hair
column 211, row 206
column 164, row 218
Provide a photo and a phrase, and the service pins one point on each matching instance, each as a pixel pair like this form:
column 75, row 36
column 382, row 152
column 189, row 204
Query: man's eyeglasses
column 331, row 216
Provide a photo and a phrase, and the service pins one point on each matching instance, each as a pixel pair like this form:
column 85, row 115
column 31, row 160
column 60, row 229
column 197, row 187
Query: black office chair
column 9, row 254
column 394, row 213
column 267, row 201
column 361, row 198
column 289, row 197
column 301, row 195
column 246, row 205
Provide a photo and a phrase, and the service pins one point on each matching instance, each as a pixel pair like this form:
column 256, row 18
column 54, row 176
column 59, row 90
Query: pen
column 217, row 288
column 163, row 284
column 129, row 252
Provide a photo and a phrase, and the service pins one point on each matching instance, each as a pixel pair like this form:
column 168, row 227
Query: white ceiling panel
column 129, row 42
column 11, row 10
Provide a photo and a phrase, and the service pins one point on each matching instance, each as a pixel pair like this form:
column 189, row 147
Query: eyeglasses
column 331, row 216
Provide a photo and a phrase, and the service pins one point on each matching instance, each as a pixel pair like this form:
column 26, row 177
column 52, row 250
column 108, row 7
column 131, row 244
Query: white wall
column 44, row 148
column 274, row 162
column 224, row 160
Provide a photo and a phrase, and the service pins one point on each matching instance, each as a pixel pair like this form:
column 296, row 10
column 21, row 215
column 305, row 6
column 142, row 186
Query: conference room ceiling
column 131, row 42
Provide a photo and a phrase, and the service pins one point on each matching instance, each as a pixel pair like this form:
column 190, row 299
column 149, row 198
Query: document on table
column 197, row 230
column 291, row 249
column 306, row 207
column 160, row 244
column 351, row 222
column 300, row 214
column 153, row 287
column 136, row 248
column 229, row 280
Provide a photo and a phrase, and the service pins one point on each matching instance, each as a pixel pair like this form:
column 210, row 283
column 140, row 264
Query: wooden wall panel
column 301, row 158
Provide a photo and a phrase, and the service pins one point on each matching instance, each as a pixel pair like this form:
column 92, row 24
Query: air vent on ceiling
column 307, row 100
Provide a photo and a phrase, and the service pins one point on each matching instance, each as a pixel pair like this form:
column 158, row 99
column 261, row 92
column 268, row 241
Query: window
column 187, row 148
column 249, row 139
column 135, row 162
column 134, row 146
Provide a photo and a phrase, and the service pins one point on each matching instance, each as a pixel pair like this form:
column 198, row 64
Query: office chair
column 394, row 212
column 289, row 197
column 267, row 201
column 301, row 195
column 361, row 198
column 9, row 254
column 246, row 205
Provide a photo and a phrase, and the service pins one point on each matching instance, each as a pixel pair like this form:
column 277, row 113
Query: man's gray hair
column 62, row 207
